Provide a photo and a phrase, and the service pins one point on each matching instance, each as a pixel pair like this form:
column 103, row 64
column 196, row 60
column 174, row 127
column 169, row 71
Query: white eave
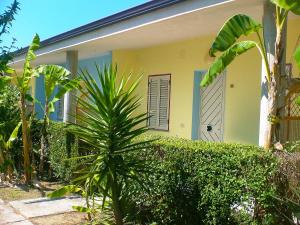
column 184, row 20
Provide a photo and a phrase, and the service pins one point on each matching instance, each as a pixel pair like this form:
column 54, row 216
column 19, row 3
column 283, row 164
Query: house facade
column 167, row 42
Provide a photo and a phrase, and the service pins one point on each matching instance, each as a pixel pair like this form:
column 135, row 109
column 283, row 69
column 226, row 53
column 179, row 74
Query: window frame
column 169, row 104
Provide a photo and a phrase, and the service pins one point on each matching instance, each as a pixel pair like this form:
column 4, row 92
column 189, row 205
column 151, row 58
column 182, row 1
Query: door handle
column 209, row 128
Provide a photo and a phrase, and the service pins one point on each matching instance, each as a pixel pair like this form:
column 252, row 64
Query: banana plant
column 55, row 78
column 228, row 45
column 23, row 83
column 5, row 156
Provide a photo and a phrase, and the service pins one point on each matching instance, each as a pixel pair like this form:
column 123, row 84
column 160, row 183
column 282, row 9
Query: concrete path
column 9, row 216
column 44, row 206
column 20, row 212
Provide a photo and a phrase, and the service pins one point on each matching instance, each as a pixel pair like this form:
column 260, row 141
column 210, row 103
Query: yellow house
column 167, row 41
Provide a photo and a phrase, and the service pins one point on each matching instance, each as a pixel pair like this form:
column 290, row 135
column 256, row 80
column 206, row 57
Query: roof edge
column 142, row 9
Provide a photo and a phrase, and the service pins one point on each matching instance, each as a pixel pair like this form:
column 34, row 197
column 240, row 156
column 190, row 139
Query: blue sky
column 51, row 17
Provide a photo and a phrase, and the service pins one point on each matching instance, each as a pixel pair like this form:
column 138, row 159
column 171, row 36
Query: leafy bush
column 58, row 152
column 9, row 118
column 287, row 179
column 193, row 182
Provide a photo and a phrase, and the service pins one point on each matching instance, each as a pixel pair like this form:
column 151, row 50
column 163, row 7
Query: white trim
column 131, row 24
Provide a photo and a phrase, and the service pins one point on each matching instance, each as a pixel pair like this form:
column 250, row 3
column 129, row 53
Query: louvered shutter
column 152, row 102
column 158, row 102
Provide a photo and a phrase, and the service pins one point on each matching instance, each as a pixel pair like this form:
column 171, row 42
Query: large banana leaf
column 291, row 5
column 225, row 59
column 232, row 30
column 28, row 72
column 297, row 56
column 53, row 75
column 13, row 135
column 56, row 76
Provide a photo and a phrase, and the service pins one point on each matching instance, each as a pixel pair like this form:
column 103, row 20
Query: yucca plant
column 107, row 122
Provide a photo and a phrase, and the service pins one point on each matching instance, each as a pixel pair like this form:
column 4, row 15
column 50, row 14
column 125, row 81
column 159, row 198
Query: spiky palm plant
column 108, row 123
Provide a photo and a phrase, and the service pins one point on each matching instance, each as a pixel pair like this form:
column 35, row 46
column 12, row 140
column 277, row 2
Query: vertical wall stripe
column 90, row 64
column 40, row 96
column 196, row 104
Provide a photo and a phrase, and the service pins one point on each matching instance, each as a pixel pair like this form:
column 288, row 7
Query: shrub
column 57, row 156
column 194, row 182
column 9, row 118
column 59, row 152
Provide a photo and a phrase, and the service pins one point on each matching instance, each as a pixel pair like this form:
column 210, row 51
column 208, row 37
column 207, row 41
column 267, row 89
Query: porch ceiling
column 183, row 25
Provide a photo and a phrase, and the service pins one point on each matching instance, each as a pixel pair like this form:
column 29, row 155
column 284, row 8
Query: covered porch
column 175, row 41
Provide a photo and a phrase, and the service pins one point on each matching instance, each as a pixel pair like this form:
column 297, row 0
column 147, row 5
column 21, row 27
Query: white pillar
column 269, row 33
column 70, row 97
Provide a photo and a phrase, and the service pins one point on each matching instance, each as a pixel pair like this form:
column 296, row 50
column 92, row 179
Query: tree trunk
column 273, row 129
column 44, row 140
column 272, row 112
column 26, row 143
column 116, row 202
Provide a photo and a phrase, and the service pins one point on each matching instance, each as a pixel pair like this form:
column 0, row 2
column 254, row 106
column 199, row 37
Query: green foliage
column 68, row 189
column 6, row 19
column 195, row 182
column 232, row 30
column 9, row 119
column 107, row 124
column 23, row 82
column 297, row 56
column 10, row 114
column 6, row 161
column 55, row 76
column 225, row 59
column 58, row 156
column 290, row 5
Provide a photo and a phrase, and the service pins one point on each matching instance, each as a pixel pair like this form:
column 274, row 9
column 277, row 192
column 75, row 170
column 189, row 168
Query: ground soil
column 19, row 191
column 72, row 218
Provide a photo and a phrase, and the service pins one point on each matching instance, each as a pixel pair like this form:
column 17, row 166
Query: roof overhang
column 183, row 19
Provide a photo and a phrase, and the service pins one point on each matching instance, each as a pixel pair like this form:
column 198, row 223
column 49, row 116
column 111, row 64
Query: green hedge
column 59, row 167
column 194, row 182
column 60, row 151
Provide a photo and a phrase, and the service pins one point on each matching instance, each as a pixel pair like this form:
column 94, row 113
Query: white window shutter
column 164, row 85
column 152, row 102
column 158, row 102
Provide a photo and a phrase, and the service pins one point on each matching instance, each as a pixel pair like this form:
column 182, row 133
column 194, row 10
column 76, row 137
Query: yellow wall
column 293, row 41
column 181, row 59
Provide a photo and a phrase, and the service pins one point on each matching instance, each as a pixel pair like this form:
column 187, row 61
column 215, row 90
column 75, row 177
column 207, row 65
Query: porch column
column 70, row 97
column 269, row 33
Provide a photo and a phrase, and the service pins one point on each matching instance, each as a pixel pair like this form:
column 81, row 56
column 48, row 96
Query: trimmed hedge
column 194, row 182
column 58, row 165
column 60, row 151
